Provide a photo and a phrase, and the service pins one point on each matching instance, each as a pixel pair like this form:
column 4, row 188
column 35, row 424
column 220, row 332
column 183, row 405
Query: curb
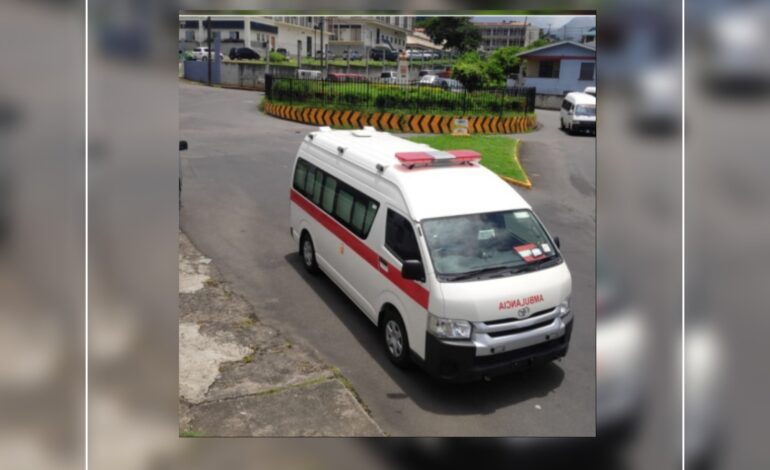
column 405, row 123
column 524, row 184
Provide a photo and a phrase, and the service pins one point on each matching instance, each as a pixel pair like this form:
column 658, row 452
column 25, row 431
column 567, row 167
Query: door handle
column 383, row 264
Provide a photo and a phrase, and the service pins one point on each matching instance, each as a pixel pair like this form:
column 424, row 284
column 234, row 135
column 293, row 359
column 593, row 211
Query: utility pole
column 323, row 51
column 299, row 52
column 208, row 49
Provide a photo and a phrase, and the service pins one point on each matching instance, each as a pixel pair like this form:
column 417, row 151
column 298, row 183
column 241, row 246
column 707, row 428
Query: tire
column 307, row 253
column 395, row 339
column 561, row 123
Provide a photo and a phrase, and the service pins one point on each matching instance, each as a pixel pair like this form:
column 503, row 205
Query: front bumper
column 455, row 361
column 584, row 125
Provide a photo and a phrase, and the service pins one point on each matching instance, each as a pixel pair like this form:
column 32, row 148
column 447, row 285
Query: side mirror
column 182, row 145
column 557, row 242
column 412, row 269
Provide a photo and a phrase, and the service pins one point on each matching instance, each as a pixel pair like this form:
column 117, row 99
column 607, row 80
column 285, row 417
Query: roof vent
column 324, row 128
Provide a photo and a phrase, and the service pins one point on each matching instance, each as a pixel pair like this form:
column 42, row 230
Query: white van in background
column 449, row 262
column 578, row 112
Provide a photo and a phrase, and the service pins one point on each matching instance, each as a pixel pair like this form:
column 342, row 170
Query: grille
column 509, row 320
column 514, row 331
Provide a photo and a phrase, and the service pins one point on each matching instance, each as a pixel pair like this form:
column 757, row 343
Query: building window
column 189, row 35
column 234, row 35
column 549, row 69
column 587, row 71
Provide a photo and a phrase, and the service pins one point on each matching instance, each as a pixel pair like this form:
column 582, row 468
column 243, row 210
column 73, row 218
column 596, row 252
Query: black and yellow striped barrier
column 414, row 123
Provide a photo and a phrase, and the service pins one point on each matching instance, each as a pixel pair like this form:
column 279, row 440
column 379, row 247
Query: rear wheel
column 307, row 251
column 395, row 339
column 561, row 123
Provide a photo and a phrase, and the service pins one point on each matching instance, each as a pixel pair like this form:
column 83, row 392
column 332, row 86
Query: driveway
column 235, row 209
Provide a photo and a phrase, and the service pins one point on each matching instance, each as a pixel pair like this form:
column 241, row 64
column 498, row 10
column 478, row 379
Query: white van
column 309, row 74
column 578, row 112
column 440, row 253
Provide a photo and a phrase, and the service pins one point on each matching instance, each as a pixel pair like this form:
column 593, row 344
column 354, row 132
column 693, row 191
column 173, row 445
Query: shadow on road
column 430, row 394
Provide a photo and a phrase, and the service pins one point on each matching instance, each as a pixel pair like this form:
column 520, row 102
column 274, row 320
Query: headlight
column 564, row 307
column 448, row 328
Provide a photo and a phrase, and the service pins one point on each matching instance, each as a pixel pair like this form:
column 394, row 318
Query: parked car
column 346, row 77
column 283, row 52
column 309, row 74
column 423, row 73
column 429, row 80
column 244, row 53
column 202, row 53
column 392, row 78
column 381, row 53
column 354, row 55
column 327, row 56
column 450, row 84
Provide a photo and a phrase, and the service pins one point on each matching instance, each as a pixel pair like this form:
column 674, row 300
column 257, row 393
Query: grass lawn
column 498, row 153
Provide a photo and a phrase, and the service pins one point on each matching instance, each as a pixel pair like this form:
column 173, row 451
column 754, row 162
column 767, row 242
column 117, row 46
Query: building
column 361, row 33
column 417, row 39
column 576, row 28
column 305, row 29
column 256, row 32
column 507, row 33
column 556, row 69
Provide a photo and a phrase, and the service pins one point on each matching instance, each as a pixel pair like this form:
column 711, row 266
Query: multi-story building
column 360, row 33
column 256, row 32
column 303, row 29
column 507, row 33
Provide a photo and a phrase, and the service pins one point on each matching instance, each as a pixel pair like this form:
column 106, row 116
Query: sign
column 460, row 127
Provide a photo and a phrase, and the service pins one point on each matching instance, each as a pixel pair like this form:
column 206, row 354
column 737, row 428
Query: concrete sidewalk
column 239, row 376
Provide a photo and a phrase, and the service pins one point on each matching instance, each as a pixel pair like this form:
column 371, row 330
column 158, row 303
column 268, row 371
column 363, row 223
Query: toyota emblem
column 523, row 312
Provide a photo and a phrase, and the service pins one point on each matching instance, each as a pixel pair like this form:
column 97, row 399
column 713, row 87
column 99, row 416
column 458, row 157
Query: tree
column 506, row 59
column 539, row 43
column 458, row 32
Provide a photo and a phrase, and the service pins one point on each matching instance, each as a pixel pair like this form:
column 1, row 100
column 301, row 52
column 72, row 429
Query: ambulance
column 446, row 259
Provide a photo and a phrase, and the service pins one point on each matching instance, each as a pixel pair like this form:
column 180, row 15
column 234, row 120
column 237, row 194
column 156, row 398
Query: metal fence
column 357, row 93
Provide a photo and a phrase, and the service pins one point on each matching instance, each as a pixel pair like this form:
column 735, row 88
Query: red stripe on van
column 411, row 288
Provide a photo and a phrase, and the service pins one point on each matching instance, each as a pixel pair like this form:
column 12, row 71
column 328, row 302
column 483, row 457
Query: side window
column 343, row 206
column 565, row 105
column 400, row 238
column 327, row 196
column 316, row 194
column 311, row 182
column 300, row 173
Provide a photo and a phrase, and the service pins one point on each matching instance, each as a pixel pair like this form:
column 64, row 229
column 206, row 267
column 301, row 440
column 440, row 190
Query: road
column 235, row 209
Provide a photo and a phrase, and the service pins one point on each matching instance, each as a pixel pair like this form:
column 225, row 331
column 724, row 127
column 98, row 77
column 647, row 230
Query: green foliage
column 395, row 98
column 277, row 58
column 458, row 32
column 470, row 74
column 539, row 43
column 505, row 58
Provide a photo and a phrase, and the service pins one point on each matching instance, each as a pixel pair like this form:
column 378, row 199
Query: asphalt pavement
column 236, row 209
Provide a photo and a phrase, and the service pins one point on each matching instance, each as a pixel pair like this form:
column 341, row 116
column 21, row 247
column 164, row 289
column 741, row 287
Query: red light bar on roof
column 411, row 159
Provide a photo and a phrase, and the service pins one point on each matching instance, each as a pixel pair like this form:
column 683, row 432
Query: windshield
column 585, row 110
column 488, row 245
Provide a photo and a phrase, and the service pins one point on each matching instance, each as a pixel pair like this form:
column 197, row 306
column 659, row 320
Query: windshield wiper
column 477, row 272
column 536, row 265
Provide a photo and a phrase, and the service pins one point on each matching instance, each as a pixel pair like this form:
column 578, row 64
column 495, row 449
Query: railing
column 358, row 93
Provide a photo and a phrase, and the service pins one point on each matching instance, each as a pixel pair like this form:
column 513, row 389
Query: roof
column 562, row 44
column 581, row 97
column 429, row 191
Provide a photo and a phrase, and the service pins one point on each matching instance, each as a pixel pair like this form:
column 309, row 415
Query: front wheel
column 307, row 251
column 395, row 339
